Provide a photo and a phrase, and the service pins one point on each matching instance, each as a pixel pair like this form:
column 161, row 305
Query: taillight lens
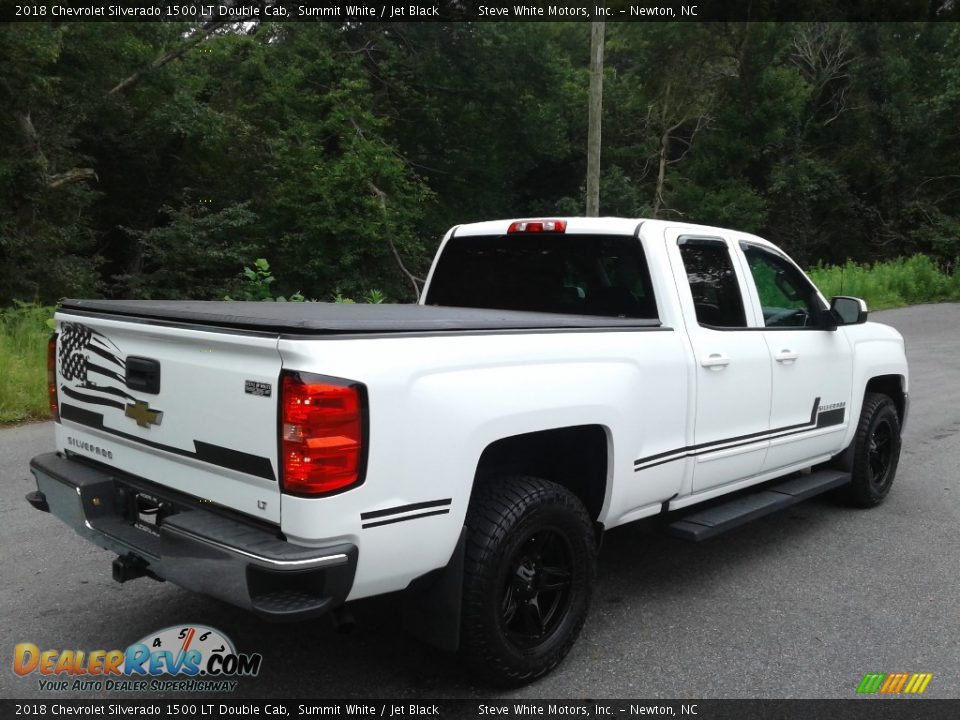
column 52, row 377
column 322, row 433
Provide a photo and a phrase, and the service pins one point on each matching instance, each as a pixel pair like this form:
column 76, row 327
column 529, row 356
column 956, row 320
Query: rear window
column 576, row 274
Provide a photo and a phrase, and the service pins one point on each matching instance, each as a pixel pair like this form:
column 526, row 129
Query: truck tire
column 876, row 452
column 529, row 569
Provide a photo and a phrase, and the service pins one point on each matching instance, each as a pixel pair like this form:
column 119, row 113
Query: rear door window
column 713, row 283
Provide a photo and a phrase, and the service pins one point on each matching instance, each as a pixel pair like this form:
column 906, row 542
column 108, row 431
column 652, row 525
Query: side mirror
column 848, row 310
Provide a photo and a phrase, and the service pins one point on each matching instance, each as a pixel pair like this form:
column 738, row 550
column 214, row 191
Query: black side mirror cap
column 848, row 310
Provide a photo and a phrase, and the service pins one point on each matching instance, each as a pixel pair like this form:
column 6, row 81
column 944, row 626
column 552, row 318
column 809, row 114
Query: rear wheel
column 876, row 451
column 528, row 577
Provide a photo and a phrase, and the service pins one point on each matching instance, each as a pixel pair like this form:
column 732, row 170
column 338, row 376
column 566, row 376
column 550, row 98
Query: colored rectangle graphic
column 894, row 683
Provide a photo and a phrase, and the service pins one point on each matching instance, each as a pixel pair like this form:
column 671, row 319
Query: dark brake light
column 52, row 378
column 322, row 433
column 537, row 226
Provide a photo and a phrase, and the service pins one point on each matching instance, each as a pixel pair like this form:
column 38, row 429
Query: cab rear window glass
column 604, row 275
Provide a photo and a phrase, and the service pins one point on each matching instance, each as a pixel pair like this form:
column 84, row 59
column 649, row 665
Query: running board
column 744, row 508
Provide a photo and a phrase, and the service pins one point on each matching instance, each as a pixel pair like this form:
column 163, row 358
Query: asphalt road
column 800, row 604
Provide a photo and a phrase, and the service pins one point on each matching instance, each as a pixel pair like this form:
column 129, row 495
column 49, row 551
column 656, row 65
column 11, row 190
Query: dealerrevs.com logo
column 202, row 658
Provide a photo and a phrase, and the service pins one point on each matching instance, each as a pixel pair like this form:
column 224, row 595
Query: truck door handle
column 715, row 360
column 786, row 356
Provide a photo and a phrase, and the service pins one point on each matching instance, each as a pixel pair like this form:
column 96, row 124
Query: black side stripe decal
column 821, row 420
column 390, row 521
column 205, row 452
column 389, row 513
column 404, row 508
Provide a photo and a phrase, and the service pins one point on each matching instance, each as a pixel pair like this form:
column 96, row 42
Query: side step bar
column 741, row 510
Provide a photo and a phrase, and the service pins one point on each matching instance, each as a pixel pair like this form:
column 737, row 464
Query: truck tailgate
column 189, row 409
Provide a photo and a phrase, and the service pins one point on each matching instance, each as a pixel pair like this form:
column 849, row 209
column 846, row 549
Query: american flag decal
column 93, row 365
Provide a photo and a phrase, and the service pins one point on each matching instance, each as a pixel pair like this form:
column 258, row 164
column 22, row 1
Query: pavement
column 797, row 605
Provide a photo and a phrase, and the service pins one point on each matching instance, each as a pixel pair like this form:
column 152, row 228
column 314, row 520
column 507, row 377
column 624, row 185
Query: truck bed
column 313, row 318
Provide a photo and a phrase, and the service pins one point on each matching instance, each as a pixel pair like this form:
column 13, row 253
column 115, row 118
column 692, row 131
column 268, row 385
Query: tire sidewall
column 551, row 507
column 867, row 492
column 538, row 519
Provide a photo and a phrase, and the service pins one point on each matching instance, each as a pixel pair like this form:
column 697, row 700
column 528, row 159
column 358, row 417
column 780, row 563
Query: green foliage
column 255, row 283
column 892, row 283
column 192, row 254
column 24, row 332
column 373, row 297
column 328, row 148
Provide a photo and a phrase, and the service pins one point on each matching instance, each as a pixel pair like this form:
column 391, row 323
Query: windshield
column 575, row 274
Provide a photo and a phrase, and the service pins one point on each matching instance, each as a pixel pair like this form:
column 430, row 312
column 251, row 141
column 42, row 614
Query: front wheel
column 876, row 451
column 528, row 577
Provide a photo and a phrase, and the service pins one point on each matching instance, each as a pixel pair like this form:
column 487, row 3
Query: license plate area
column 143, row 510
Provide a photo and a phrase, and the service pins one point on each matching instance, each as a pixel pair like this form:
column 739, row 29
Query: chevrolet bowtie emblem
column 141, row 412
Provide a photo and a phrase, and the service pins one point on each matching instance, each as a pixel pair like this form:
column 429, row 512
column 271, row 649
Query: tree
column 595, row 121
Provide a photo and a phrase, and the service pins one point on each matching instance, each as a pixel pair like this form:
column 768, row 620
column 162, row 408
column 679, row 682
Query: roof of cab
column 597, row 225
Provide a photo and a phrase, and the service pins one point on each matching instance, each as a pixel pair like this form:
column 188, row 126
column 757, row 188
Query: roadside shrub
column 889, row 284
column 254, row 283
column 24, row 331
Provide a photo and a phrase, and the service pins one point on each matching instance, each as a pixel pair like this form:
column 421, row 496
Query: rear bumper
column 242, row 563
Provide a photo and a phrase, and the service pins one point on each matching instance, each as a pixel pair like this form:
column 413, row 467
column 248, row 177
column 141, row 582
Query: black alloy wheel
column 879, row 453
column 536, row 595
column 876, row 452
column 528, row 576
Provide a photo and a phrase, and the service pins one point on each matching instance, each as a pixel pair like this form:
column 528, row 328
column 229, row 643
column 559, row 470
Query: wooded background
column 156, row 159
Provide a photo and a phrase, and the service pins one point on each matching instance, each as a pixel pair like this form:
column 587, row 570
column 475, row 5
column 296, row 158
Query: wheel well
column 575, row 457
column 892, row 387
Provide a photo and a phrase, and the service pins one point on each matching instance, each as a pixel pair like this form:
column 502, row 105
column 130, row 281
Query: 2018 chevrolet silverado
column 558, row 378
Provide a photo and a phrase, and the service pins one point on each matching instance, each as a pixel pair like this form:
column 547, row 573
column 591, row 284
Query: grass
column 890, row 284
column 24, row 328
column 23, row 363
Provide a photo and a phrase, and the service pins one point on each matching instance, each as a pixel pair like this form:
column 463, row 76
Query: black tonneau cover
column 344, row 319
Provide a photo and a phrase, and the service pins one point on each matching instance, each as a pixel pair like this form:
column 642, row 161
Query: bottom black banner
column 860, row 709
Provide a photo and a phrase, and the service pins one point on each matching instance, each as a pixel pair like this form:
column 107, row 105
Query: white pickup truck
column 558, row 378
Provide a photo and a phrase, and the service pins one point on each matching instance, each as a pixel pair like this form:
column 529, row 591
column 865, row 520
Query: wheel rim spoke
column 538, row 587
column 553, row 578
column 879, row 454
column 532, row 618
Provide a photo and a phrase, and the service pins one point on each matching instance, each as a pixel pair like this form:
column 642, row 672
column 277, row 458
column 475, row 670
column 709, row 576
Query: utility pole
column 595, row 112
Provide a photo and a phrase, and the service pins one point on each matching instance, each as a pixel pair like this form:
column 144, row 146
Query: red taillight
column 537, row 226
column 321, row 433
column 52, row 377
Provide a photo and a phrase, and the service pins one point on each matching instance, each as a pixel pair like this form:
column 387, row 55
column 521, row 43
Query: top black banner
column 211, row 11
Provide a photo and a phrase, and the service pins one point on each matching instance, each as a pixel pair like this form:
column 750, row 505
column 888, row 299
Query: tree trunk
column 661, row 173
column 595, row 113
column 663, row 153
